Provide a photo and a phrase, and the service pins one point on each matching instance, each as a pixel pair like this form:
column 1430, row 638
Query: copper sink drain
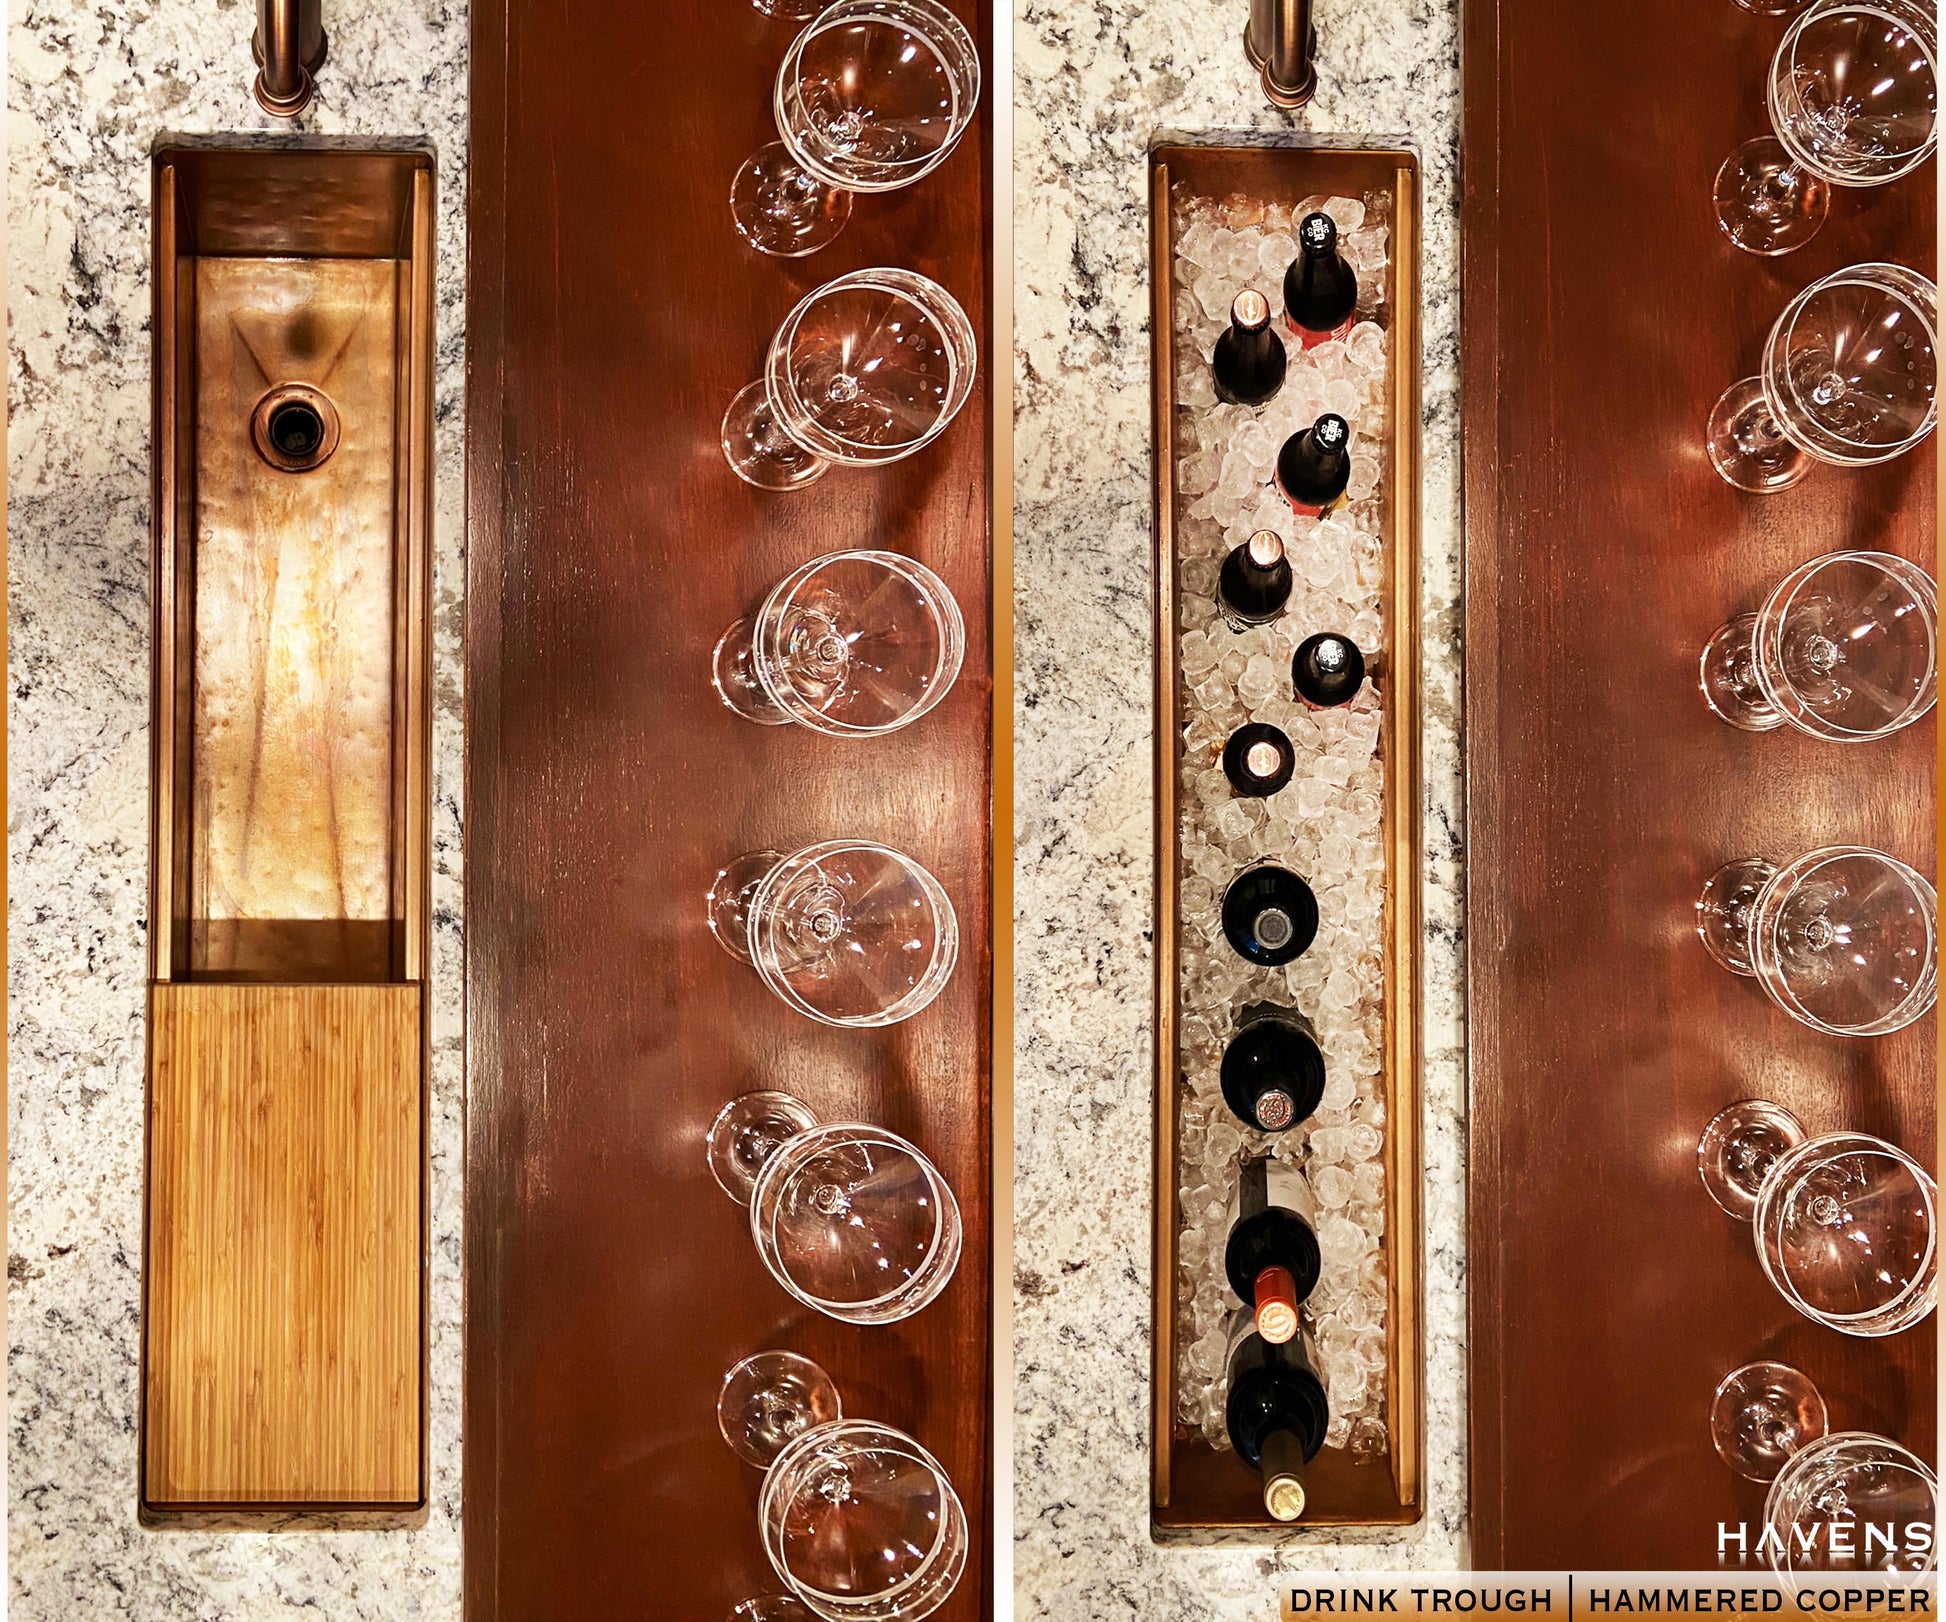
column 295, row 427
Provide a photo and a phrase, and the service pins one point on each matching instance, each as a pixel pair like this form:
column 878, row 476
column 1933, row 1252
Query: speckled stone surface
column 92, row 88
column 1096, row 84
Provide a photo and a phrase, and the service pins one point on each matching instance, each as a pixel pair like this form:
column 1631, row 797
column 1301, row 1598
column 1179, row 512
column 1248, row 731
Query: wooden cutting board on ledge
column 1604, row 314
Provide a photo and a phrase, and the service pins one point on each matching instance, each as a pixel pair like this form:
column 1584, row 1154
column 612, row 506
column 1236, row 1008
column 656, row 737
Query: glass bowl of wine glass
column 872, row 96
column 850, row 644
column 1843, row 939
column 865, row 370
column 1853, row 101
column 1849, row 378
column 1845, row 648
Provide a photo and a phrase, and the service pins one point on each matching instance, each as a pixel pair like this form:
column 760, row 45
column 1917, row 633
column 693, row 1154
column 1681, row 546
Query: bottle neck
column 1282, row 1464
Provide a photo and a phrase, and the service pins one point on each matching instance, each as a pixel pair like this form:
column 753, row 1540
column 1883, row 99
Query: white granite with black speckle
column 1096, row 84
column 91, row 89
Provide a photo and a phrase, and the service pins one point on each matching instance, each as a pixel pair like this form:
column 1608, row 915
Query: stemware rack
column 1604, row 314
column 615, row 312
column 1197, row 1489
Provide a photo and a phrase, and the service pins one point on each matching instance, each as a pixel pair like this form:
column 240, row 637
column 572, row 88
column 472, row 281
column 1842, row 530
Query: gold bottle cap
column 1266, row 547
column 1262, row 759
column 1284, row 1497
column 1250, row 310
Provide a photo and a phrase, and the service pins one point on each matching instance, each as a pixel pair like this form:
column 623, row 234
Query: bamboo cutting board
column 284, row 1237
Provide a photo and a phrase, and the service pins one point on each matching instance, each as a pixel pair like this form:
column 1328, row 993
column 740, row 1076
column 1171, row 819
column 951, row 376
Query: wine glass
column 1838, row 1500
column 1842, row 939
column 851, row 1219
column 847, row 932
column 860, row 1521
column 872, row 96
column 850, row 644
column 866, row 369
column 1849, row 377
column 1846, row 649
column 1845, row 1223
column 1853, row 98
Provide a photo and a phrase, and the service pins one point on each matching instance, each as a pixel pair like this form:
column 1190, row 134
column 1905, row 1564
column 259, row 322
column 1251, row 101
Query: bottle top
column 1276, row 1305
column 1250, row 311
column 1283, row 1467
column 1258, row 759
column 1317, row 234
column 1330, row 433
column 1265, row 548
column 1284, row 1497
column 1327, row 670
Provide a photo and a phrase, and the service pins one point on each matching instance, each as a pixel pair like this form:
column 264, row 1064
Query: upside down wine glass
column 1846, row 649
column 865, row 370
column 1846, row 1224
column 860, row 1521
column 1849, row 377
column 1838, row 1500
column 870, row 97
column 1843, row 939
column 850, row 644
column 1853, row 100
column 851, row 1219
column 847, row 932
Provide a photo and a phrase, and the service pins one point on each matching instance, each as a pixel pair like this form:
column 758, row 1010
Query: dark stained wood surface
column 613, row 314
column 1602, row 316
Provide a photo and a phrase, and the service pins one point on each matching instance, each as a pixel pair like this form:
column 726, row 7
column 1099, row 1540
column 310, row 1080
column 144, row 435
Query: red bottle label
column 1307, row 339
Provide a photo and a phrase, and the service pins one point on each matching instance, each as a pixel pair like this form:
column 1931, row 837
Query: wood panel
column 284, row 1241
column 1603, row 314
column 610, row 1284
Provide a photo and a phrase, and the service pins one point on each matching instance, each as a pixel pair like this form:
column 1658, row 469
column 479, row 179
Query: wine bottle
column 1269, row 915
column 1271, row 1258
column 1327, row 670
column 1320, row 289
column 1314, row 466
column 1273, row 1068
column 1249, row 360
column 1255, row 581
column 1258, row 760
column 1276, row 1412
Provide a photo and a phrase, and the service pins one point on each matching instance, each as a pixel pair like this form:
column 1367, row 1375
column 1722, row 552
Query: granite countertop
column 92, row 89
column 1095, row 86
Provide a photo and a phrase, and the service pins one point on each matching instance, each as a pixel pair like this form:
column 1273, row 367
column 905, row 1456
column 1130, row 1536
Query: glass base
column 770, row 1400
column 1729, row 676
column 759, row 451
column 773, row 1608
column 734, row 676
column 1723, row 911
column 1765, row 203
column 1746, row 445
column 784, row 210
column 729, row 900
column 747, row 1131
column 1738, row 1148
column 1762, row 1414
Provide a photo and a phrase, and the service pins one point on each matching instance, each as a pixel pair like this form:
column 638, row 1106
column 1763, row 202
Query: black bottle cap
column 1327, row 670
column 1314, row 466
column 1255, row 581
column 1269, row 915
column 1258, row 760
column 1317, row 235
column 1273, row 1072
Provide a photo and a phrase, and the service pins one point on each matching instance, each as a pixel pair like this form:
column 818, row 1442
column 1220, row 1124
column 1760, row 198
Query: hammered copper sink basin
column 284, row 1287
